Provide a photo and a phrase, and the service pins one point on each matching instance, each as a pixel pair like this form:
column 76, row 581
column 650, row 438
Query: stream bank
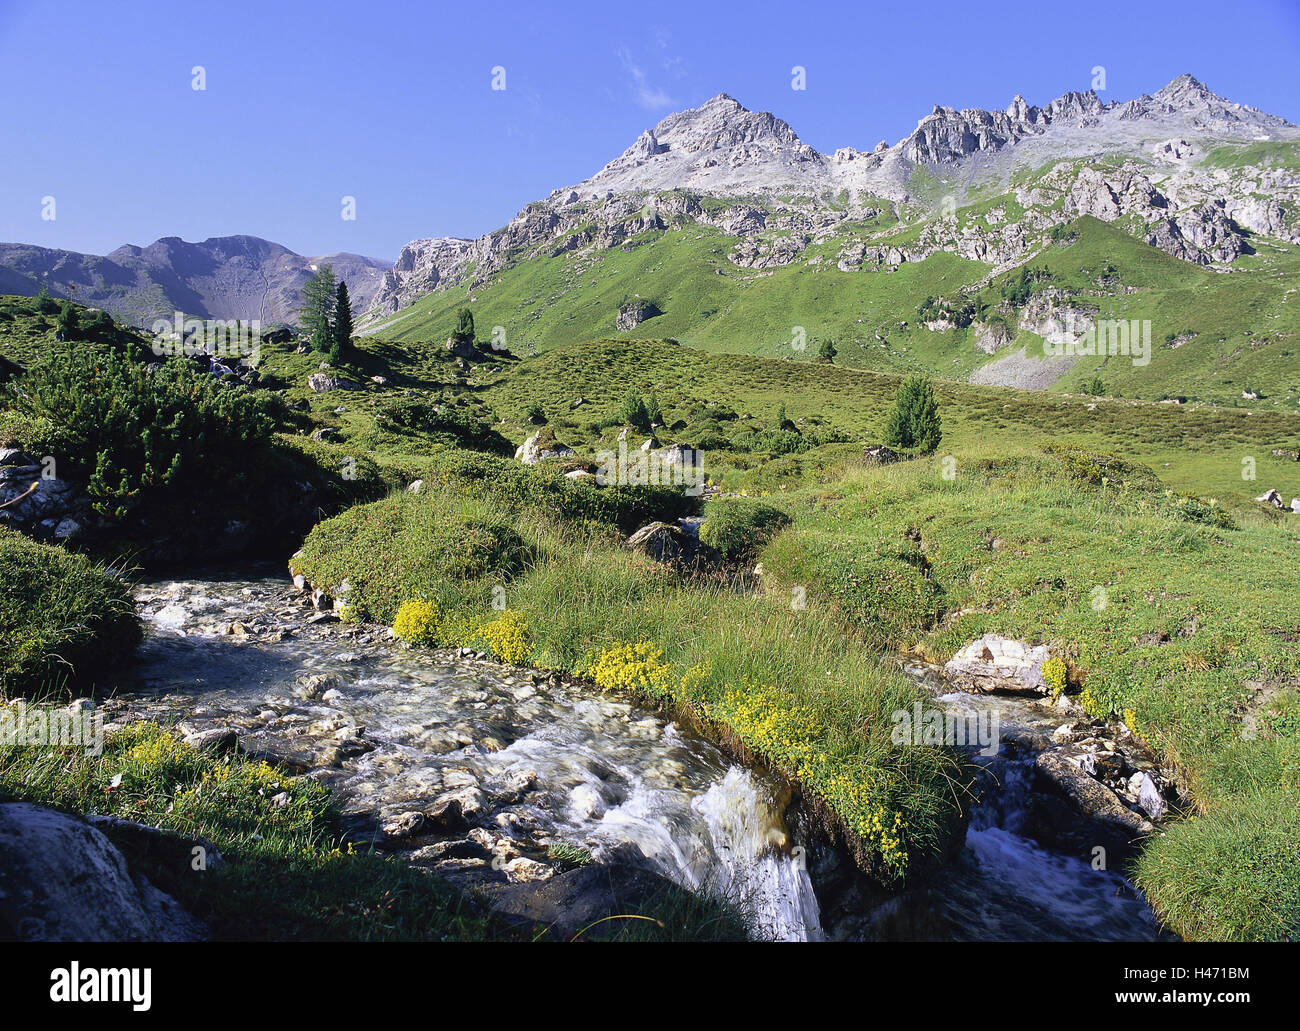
column 544, row 799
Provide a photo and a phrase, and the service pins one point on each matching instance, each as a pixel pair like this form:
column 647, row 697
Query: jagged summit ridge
column 781, row 194
column 722, row 147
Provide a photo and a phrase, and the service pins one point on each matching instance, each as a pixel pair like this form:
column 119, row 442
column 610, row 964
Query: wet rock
column 217, row 740
column 574, row 899
column 1075, row 812
column 525, row 870
column 404, row 825
column 455, row 809
column 1149, row 796
column 311, row 686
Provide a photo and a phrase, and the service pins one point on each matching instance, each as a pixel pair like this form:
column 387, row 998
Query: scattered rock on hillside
column 672, row 545
column 461, row 347
column 879, row 454
column 998, row 664
column 632, row 313
column 542, row 446
column 321, row 383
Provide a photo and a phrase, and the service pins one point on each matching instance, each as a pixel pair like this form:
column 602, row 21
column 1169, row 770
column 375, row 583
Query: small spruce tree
column 914, row 422
column 342, row 323
column 317, row 311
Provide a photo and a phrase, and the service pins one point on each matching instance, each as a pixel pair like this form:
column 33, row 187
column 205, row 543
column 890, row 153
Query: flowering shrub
column 793, row 736
column 417, row 622
column 507, row 636
column 1056, row 675
column 631, row 667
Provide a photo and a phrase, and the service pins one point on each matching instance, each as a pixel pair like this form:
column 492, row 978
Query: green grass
column 62, row 618
column 1141, row 592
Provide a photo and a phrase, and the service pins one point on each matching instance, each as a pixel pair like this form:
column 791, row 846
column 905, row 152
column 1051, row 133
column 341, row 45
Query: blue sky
column 392, row 104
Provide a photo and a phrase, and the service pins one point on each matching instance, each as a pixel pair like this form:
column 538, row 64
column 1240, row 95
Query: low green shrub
column 134, row 433
column 738, row 528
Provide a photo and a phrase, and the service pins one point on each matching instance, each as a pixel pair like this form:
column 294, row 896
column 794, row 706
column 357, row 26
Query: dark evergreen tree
column 465, row 325
column 342, row 322
column 914, row 422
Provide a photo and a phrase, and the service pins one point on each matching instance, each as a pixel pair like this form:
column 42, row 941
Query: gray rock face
column 321, row 383
column 63, row 880
column 631, row 314
column 530, row 452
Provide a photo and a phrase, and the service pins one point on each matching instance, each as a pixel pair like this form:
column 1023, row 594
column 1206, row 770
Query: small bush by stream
column 62, row 618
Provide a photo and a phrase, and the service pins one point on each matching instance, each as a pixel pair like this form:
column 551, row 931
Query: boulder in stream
column 999, row 664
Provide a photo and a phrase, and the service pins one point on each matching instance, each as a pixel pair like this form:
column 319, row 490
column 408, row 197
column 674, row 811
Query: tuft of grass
column 62, row 617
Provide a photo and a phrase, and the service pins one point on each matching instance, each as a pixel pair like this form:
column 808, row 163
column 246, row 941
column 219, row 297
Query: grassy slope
column 1195, row 448
column 1244, row 322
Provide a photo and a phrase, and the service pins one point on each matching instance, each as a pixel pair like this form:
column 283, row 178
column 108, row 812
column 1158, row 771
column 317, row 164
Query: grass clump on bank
column 62, row 617
column 776, row 681
column 737, row 528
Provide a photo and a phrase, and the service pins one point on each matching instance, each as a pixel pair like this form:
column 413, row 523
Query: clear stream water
column 557, row 764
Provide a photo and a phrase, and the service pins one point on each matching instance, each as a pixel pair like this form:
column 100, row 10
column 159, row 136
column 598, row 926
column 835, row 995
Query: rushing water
column 1004, row 886
column 560, row 764
column 594, row 770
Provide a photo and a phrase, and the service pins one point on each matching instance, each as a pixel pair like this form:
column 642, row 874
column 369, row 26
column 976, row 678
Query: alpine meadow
column 751, row 541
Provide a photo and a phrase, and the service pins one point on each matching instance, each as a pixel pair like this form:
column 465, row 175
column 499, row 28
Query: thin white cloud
column 647, row 94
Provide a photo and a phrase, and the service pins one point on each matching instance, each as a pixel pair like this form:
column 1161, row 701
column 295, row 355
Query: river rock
column 61, row 879
column 998, row 664
column 139, row 841
column 1075, row 812
column 575, row 899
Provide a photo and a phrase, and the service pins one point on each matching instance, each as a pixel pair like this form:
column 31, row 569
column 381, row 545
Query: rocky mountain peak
column 1187, row 90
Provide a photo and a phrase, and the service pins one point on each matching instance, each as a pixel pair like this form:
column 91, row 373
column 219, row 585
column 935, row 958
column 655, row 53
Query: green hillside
column 1214, row 334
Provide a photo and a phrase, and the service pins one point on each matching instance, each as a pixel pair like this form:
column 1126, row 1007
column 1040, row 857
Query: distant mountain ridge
column 225, row 277
column 780, row 185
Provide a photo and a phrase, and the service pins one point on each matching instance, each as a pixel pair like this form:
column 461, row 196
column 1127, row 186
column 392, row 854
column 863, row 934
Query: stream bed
column 476, row 770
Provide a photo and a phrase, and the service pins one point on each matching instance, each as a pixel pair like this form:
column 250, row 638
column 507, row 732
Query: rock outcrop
column 998, row 664
column 61, row 879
